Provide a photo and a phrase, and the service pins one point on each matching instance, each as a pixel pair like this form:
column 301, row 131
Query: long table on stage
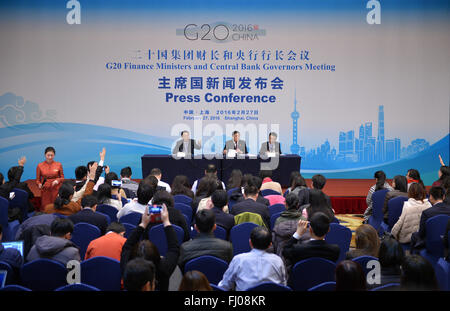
column 195, row 168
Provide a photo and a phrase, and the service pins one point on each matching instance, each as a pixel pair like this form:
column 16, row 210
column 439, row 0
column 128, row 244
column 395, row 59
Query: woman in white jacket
column 409, row 220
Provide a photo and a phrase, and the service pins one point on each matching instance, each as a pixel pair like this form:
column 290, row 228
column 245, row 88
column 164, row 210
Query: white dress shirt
column 253, row 268
column 165, row 185
column 132, row 207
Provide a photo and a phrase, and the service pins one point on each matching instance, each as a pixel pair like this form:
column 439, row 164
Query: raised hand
column 22, row 161
column 442, row 161
column 102, row 154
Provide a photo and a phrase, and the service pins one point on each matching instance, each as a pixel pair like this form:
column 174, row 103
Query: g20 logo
column 221, row 32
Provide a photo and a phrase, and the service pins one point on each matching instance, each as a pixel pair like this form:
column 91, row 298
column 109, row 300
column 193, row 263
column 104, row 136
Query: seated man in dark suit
column 88, row 214
column 438, row 208
column 186, row 145
column 219, row 199
column 250, row 203
column 235, row 144
column 205, row 243
column 238, row 196
column 319, row 226
column 270, row 146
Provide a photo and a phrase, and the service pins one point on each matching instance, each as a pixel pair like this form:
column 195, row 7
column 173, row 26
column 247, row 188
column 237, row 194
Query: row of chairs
column 104, row 274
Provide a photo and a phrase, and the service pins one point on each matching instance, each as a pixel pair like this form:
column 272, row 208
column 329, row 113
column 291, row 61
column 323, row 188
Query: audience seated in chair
column 417, row 274
column 57, row 246
column 286, row 225
column 88, row 214
column 319, row 226
column 205, row 243
column 367, row 242
column 158, row 174
column 390, row 256
column 268, row 183
column 219, row 200
column 381, row 183
column 400, row 185
column 109, row 245
column 438, row 208
column 257, row 266
column 409, row 220
column 145, row 193
column 250, row 203
column 10, row 255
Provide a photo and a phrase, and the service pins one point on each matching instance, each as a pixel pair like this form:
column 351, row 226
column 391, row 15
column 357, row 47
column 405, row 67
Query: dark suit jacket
column 205, row 244
column 179, row 147
column 8, row 186
column 223, row 219
column 176, row 218
column 437, row 209
column 253, row 207
column 90, row 217
column 295, row 252
column 265, row 147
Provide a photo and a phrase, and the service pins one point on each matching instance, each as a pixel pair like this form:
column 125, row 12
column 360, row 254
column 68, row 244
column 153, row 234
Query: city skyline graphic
column 353, row 151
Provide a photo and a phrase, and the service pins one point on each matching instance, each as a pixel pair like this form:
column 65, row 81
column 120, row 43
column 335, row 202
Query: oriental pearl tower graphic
column 295, row 148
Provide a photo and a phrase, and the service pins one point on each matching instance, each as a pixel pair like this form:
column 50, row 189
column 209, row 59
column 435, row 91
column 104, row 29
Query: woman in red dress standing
column 49, row 176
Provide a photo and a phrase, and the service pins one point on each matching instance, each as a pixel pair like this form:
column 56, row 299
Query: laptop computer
column 3, row 274
column 14, row 244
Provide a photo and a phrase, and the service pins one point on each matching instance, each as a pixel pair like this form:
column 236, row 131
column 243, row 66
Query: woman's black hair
column 48, row 149
column 298, row 181
column 417, row 274
column 103, row 193
column 445, row 172
column 381, row 179
column 414, row 174
column 64, row 193
column 236, row 179
column 401, row 183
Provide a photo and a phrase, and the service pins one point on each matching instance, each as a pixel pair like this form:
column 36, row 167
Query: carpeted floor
column 351, row 221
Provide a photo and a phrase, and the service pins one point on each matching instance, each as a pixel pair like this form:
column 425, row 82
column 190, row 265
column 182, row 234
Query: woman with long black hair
column 381, row 183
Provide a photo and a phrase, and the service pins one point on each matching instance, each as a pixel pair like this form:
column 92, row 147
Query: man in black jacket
column 438, row 208
column 186, row 145
column 219, row 199
column 250, row 203
column 88, row 214
column 319, row 226
column 205, row 243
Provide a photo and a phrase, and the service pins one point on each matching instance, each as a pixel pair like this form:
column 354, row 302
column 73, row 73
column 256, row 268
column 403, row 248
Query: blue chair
column 267, row 192
column 276, row 208
column 157, row 236
column 311, row 272
column 286, row 192
column 83, row 233
column 216, row 288
column 131, row 218
column 341, row 236
column 442, row 270
column 324, row 287
column 128, row 229
column 390, row 286
column 11, row 276
column 124, row 200
column 273, row 219
column 109, row 210
column 239, row 237
column 14, row 288
column 395, row 208
column 212, row 267
column 77, row 288
column 108, row 219
column 185, row 210
column 363, row 260
column 269, row 287
column 220, row 233
column 181, row 198
column 434, row 245
column 377, row 209
column 20, row 200
column 9, row 228
column 101, row 272
column 43, row 275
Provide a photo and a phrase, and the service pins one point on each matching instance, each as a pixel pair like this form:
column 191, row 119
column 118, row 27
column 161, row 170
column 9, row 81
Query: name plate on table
column 231, row 153
column 181, row 154
column 271, row 154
